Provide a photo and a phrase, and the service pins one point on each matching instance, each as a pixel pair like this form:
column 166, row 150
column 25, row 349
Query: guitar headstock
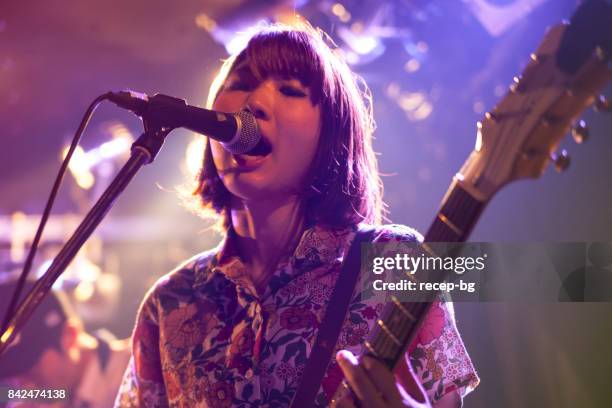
column 519, row 137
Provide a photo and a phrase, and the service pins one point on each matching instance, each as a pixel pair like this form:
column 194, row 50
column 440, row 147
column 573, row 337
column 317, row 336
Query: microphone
column 237, row 132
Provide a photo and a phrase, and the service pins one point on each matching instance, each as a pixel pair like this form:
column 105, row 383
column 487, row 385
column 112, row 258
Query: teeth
column 244, row 159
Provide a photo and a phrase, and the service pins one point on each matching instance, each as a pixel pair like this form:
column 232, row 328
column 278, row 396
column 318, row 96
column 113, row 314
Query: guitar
column 517, row 139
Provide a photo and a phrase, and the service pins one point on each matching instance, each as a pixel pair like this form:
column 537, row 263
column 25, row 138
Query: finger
column 345, row 402
column 358, row 379
column 383, row 379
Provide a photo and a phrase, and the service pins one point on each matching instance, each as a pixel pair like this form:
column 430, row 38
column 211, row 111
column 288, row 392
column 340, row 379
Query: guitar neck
column 457, row 216
column 399, row 321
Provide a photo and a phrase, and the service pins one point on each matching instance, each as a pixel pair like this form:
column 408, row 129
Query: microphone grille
column 247, row 134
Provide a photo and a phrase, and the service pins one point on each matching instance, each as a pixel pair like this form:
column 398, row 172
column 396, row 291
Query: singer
column 235, row 326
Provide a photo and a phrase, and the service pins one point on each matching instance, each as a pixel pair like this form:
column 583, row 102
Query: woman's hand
column 374, row 385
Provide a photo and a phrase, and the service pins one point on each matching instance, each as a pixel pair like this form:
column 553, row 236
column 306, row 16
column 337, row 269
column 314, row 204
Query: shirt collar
column 317, row 246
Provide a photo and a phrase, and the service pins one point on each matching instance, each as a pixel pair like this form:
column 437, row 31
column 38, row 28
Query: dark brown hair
column 342, row 186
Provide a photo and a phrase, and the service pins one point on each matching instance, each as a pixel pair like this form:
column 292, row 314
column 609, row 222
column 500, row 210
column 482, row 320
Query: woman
column 234, row 326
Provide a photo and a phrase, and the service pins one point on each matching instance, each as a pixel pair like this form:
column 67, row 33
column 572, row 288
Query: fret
column 440, row 232
column 456, row 218
column 388, row 332
column 395, row 321
column 400, row 325
column 428, row 249
column 399, row 305
column 371, row 349
column 450, row 224
column 393, row 318
column 383, row 348
column 396, row 329
column 383, row 345
column 411, row 276
column 417, row 308
column 397, row 324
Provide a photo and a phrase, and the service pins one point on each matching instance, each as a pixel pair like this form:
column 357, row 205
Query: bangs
column 287, row 55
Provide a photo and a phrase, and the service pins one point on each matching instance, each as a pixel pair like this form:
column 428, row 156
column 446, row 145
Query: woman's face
column 286, row 118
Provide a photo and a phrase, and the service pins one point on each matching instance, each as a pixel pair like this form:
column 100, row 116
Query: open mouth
column 262, row 148
column 255, row 156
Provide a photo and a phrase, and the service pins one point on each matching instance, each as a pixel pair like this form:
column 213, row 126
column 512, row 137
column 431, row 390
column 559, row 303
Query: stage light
column 109, row 284
column 412, row 65
column 82, row 163
column 202, row 20
column 422, row 47
column 79, row 168
column 194, row 156
column 360, row 41
column 422, row 112
column 235, row 39
column 84, row 291
column 497, row 19
column 341, row 12
column 85, row 270
column 410, row 101
column 393, row 90
column 19, row 234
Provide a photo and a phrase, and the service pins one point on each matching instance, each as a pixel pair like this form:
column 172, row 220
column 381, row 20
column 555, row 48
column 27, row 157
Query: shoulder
column 179, row 282
column 396, row 233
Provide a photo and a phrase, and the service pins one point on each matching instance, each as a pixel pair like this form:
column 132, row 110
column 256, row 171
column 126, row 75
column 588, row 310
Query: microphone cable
column 47, row 211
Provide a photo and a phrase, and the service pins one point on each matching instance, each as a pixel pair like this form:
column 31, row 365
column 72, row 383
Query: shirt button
column 249, row 374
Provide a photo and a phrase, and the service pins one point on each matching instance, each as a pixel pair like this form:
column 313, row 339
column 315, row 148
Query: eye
column 292, row 91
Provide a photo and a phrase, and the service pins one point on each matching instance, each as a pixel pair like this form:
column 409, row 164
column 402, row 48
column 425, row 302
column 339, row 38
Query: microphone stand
column 144, row 150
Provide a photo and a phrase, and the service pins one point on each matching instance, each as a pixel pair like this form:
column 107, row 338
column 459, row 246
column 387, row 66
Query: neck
column 266, row 230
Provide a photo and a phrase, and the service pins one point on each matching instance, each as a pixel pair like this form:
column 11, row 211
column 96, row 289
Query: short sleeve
column 437, row 355
column 143, row 383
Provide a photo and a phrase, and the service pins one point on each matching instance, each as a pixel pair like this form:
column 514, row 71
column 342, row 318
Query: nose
column 259, row 102
column 256, row 110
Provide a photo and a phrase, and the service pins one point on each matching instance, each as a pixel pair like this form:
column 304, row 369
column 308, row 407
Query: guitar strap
column 329, row 330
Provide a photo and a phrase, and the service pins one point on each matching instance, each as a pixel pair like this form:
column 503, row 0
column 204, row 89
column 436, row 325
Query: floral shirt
column 205, row 338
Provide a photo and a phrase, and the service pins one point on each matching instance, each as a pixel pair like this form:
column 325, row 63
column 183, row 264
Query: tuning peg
column 561, row 160
column 602, row 104
column 580, row 132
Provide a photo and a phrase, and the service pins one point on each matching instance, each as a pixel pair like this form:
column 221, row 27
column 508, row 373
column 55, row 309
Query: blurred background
column 434, row 67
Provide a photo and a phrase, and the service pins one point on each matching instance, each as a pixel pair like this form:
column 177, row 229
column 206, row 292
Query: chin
column 247, row 188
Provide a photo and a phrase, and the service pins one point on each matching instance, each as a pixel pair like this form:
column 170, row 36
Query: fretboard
column 398, row 323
